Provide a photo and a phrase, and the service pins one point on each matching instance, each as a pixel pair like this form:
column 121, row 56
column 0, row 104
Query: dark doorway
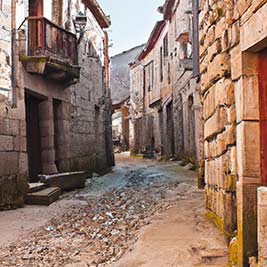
column 262, row 69
column 138, row 136
column 170, row 129
column 191, row 129
column 161, row 131
column 125, row 127
column 33, row 137
column 180, row 128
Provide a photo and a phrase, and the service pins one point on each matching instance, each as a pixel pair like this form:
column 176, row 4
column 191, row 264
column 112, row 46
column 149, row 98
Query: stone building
column 166, row 107
column 120, row 93
column 233, row 75
column 55, row 108
column 146, row 81
column 187, row 112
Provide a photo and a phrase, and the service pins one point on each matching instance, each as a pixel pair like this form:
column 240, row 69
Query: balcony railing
column 48, row 39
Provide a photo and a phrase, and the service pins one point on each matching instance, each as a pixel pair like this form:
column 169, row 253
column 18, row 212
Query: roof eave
column 102, row 19
column 154, row 36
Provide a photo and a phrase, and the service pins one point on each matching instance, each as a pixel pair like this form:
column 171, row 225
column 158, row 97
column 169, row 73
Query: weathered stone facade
column 186, row 99
column 166, row 107
column 232, row 42
column 13, row 155
column 148, row 78
column 57, row 123
column 120, row 94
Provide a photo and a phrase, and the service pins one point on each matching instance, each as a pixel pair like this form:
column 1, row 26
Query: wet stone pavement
column 112, row 213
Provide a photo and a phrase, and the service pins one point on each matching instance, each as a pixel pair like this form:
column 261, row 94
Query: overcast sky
column 132, row 21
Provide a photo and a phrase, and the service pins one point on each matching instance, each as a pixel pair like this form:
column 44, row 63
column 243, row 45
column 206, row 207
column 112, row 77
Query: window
column 185, row 50
column 169, row 73
column 149, row 76
column 161, row 64
column 166, row 46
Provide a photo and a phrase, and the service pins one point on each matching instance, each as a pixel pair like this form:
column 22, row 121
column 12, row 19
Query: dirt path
column 144, row 213
column 180, row 237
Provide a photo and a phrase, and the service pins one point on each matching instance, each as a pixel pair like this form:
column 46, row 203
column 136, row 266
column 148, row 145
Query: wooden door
column 170, row 130
column 262, row 69
column 36, row 8
column 36, row 27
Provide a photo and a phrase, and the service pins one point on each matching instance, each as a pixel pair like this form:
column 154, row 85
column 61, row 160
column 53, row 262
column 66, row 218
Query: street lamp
column 80, row 22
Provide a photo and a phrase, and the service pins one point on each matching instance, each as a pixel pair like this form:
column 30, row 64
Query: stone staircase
column 50, row 187
column 45, row 196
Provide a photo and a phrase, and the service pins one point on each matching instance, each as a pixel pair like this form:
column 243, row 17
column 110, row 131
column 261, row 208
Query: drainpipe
column 106, row 60
column 108, row 131
column 13, row 54
column 195, row 38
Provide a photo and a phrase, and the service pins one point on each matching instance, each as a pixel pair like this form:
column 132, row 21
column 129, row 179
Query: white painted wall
column 48, row 9
column 5, row 49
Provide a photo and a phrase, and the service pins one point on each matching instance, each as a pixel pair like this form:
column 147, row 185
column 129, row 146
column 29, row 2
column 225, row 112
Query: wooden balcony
column 50, row 50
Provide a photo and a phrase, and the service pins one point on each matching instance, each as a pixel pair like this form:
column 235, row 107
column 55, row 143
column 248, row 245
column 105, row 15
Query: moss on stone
column 219, row 11
column 136, row 155
column 33, row 59
column 13, row 190
column 164, row 158
column 233, row 253
column 216, row 220
column 230, row 183
column 218, row 223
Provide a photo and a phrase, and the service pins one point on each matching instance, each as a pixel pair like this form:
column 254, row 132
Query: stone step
column 65, row 181
column 213, row 255
column 35, row 187
column 44, row 197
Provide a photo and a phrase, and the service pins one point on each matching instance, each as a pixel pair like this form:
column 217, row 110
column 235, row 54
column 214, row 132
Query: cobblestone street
column 143, row 213
column 133, row 133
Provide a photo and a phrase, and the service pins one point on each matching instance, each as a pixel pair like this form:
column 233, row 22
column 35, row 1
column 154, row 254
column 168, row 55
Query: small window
column 185, row 50
column 161, row 64
column 166, row 46
column 149, row 76
column 169, row 73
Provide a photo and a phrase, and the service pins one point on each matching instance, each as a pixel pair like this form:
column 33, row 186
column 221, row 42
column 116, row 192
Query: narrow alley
column 143, row 213
column 133, row 133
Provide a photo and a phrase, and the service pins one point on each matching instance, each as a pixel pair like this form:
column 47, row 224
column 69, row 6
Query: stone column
column 248, row 154
column 47, row 136
column 262, row 226
column 62, row 136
